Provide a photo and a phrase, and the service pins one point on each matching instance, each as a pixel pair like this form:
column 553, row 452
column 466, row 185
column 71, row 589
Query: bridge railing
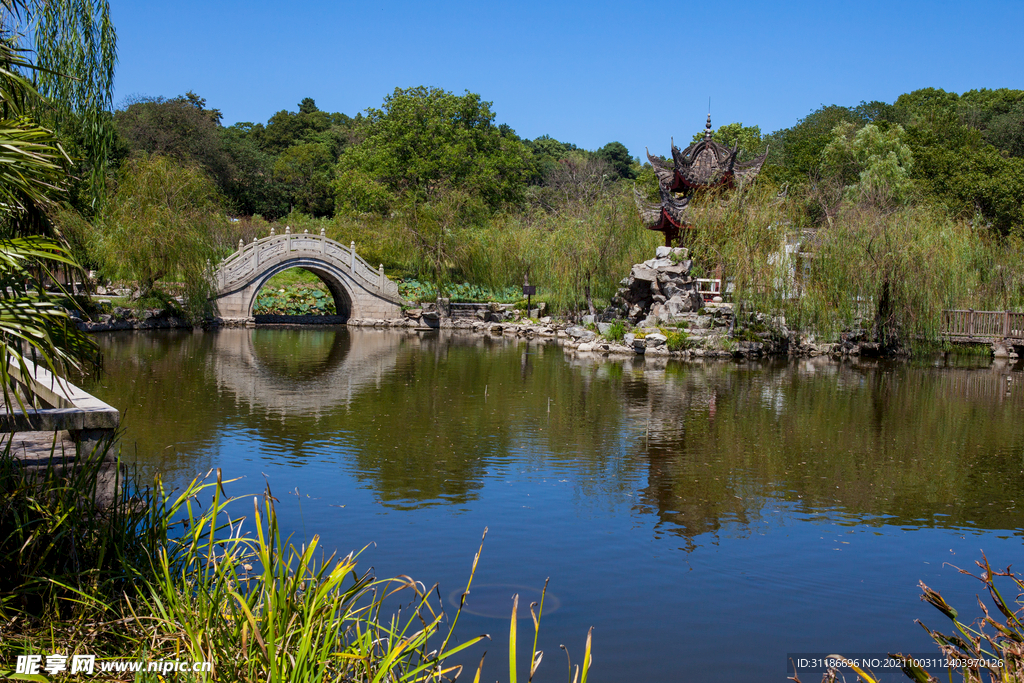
column 247, row 260
column 983, row 324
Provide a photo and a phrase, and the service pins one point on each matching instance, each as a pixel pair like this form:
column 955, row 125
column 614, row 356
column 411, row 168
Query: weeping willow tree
column 437, row 232
column 745, row 236
column 589, row 247
column 575, row 251
column 853, row 250
column 34, row 175
column 159, row 224
column 75, row 53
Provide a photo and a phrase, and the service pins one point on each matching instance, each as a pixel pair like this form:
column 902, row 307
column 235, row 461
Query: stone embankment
column 130, row 319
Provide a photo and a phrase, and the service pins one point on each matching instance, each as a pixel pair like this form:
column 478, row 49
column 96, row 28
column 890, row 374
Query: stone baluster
column 255, row 255
column 273, row 231
column 380, row 280
column 352, row 261
column 287, row 239
column 323, row 240
column 241, row 244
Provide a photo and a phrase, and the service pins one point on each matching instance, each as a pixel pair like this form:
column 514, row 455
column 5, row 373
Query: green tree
column 436, row 228
column 796, row 152
column 304, row 170
column 34, row 174
column 251, row 188
column 180, row 127
column 160, row 223
column 618, row 159
column 547, row 152
column 76, row 50
column 873, row 162
column 426, row 139
column 746, row 138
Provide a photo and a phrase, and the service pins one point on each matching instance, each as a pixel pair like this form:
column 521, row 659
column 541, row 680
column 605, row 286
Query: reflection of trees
column 428, row 419
column 454, row 410
column 890, row 443
column 168, row 424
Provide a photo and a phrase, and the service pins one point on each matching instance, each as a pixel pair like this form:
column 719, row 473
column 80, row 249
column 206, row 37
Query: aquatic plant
column 676, row 341
column 617, row 331
column 298, row 299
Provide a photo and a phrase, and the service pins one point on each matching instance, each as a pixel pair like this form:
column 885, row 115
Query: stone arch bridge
column 359, row 290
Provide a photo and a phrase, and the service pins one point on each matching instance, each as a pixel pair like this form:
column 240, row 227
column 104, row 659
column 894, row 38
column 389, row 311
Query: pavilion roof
column 704, row 165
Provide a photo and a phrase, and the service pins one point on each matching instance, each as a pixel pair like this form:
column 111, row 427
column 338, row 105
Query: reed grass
column 991, row 648
column 158, row 575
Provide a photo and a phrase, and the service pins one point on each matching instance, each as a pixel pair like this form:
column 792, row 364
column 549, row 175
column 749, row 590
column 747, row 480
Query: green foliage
column 617, row 332
column 796, row 152
column 33, row 323
column 31, row 177
column 747, row 138
column 187, row 578
column 156, row 299
column 547, row 152
column 304, row 299
column 874, row 163
column 160, row 223
column 414, row 290
column 425, row 141
column 618, row 159
column 676, row 341
column 61, row 552
column 180, row 127
column 304, row 170
column 76, row 50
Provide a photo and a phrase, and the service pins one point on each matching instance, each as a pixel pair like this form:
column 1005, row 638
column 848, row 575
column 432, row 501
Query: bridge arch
column 359, row 290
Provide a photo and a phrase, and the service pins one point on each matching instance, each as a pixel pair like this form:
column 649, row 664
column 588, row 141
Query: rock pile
column 659, row 290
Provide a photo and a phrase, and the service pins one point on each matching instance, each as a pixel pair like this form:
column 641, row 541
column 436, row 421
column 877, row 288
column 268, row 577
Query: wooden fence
column 982, row 325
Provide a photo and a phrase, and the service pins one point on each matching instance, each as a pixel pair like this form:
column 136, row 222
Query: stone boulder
column 645, row 295
column 580, row 334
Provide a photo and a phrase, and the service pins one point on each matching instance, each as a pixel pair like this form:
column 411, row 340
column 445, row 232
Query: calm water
column 705, row 519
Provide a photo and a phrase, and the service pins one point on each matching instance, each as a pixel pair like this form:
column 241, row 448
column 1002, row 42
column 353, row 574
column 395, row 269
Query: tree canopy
column 425, row 139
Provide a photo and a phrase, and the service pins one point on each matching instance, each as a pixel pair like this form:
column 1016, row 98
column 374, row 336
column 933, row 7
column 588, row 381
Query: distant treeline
column 968, row 151
column 876, row 198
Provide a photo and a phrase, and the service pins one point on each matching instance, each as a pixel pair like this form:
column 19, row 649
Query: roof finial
column 707, row 128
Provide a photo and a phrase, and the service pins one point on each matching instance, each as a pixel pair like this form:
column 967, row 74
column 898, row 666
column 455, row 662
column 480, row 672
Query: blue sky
column 582, row 72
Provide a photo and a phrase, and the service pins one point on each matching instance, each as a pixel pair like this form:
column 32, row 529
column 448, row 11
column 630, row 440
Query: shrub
column 677, row 341
column 616, row 332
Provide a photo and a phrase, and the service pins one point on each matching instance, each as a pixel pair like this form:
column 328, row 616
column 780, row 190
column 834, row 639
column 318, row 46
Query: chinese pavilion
column 702, row 166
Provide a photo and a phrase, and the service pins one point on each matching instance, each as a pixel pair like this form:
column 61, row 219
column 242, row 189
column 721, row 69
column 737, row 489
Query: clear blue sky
column 582, row 72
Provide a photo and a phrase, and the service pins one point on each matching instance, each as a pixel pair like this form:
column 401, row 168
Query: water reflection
column 597, row 472
column 425, row 419
column 881, row 443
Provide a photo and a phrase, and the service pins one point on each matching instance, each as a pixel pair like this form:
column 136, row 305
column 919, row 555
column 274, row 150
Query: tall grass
column 990, row 648
column 60, row 552
column 888, row 271
column 158, row 575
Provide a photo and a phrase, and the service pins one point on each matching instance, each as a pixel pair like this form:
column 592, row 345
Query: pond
column 708, row 520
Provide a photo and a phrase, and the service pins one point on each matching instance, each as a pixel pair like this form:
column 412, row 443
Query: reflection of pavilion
column 257, row 370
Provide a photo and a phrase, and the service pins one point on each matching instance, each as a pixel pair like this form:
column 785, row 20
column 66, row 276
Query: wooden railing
column 982, row 325
column 709, row 288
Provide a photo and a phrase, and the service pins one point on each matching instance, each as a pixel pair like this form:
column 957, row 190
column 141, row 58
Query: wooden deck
column 983, row 327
